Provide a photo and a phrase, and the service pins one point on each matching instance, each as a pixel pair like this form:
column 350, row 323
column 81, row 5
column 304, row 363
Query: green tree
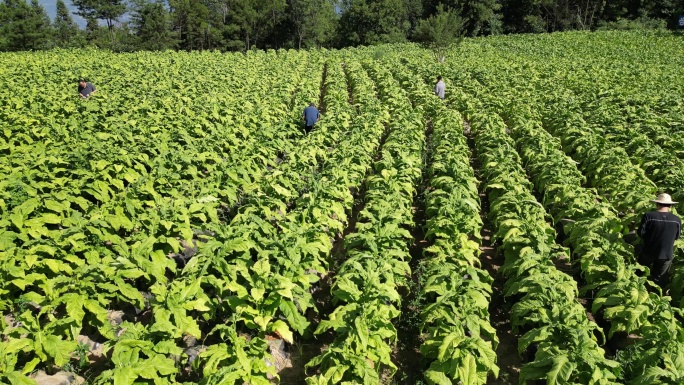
column 92, row 27
column 189, row 20
column 240, row 23
column 525, row 16
column 265, row 22
column 440, row 31
column 24, row 26
column 313, row 21
column 41, row 28
column 215, row 30
column 108, row 10
column 414, row 11
column 662, row 9
column 481, row 17
column 272, row 14
column 152, row 25
column 252, row 23
column 372, row 22
column 67, row 33
column 245, row 21
column 589, row 13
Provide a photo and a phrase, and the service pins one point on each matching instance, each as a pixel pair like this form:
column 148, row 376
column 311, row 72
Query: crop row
column 366, row 283
column 610, row 171
column 556, row 329
column 318, row 217
column 265, row 262
column 76, row 253
column 661, row 164
column 139, row 201
column 459, row 339
column 593, row 231
column 201, row 144
column 636, row 131
column 642, row 138
column 562, row 344
column 130, row 272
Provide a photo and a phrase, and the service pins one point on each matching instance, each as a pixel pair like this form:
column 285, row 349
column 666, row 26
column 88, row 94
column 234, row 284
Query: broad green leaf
column 282, row 330
column 58, row 349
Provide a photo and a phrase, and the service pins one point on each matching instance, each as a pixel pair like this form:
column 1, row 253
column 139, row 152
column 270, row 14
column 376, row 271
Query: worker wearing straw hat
column 659, row 229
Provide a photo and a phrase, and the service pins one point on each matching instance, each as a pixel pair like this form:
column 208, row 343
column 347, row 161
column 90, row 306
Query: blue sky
column 51, row 8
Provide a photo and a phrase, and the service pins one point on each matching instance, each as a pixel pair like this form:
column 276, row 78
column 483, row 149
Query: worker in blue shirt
column 311, row 116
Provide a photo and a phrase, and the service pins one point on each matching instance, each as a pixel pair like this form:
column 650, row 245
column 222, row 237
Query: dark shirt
column 659, row 231
column 87, row 90
column 310, row 115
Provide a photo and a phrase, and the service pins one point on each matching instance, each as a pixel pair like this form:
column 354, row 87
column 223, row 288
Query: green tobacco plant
column 365, row 287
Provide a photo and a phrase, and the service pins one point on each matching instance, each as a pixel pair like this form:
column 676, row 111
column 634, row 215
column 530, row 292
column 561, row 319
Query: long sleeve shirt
column 311, row 115
column 440, row 88
column 659, row 231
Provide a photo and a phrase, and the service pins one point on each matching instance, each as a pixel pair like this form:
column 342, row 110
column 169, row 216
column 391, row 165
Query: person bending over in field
column 659, row 229
column 85, row 89
column 440, row 88
column 311, row 116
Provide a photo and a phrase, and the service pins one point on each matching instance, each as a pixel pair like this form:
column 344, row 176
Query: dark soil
column 300, row 354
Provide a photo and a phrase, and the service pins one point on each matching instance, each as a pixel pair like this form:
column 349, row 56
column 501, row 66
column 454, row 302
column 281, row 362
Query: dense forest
column 233, row 25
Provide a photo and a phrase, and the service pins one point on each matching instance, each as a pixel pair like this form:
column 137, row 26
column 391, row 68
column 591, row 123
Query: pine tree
column 108, row 10
column 373, row 21
column 152, row 25
column 67, row 33
column 255, row 23
column 189, row 20
column 313, row 21
column 24, row 26
column 40, row 27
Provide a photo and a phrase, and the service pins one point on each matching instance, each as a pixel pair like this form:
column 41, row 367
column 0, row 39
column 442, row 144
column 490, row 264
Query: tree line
column 238, row 25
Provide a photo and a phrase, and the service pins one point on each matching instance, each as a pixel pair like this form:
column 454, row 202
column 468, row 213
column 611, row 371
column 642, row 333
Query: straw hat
column 664, row 199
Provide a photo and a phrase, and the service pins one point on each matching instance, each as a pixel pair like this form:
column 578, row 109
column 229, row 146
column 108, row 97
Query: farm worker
column 659, row 229
column 85, row 89
column 440, row 87
column 311, row 116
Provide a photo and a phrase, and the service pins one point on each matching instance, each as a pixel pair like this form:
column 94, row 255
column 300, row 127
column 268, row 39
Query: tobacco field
column 179, row 228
